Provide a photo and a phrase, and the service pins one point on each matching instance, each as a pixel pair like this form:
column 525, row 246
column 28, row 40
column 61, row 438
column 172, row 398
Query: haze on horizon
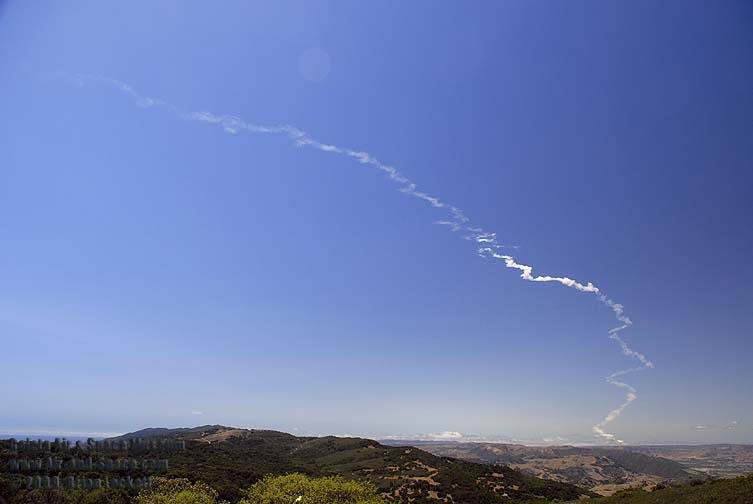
column 168, row 269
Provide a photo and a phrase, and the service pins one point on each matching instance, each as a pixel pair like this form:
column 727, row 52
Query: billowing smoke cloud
column 455, row 220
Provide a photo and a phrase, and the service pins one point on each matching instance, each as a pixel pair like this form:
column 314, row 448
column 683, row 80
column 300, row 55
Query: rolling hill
column 716, row 460
column 230, row 459
column 603, row 470
column 722, row 491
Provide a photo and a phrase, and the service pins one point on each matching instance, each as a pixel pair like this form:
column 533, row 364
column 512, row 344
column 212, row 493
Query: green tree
column 178, row 491
column 301, row 489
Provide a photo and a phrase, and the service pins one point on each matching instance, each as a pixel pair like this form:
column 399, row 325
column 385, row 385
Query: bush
column 177, row 491
column 302, row 489
column 628, row 492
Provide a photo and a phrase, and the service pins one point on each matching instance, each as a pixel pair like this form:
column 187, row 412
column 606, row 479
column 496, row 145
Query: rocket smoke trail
column 455, row 220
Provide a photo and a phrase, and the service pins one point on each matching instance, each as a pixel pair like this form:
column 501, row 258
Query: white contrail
column 456, row 221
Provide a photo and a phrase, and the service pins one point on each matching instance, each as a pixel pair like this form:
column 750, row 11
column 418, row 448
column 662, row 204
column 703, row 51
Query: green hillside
column 601, row 469
column 233, row 459
column 724, row 491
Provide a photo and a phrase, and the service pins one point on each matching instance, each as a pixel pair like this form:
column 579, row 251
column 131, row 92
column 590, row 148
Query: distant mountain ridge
column 166, row 432
column 230, row 458
column 602, row 469
column 716, row 460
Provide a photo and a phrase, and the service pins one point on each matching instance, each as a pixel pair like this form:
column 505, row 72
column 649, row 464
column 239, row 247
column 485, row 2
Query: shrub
column 302, row 489
column 628, row 492
column 177, row 491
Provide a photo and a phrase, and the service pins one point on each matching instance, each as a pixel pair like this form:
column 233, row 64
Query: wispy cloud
column 434, row 436
column 449, row 435
column 712, row 427
column 452, row 436
column 198, row 413
column 455, row 219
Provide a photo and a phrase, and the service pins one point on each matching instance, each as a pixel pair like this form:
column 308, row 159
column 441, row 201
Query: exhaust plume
column 455, row 220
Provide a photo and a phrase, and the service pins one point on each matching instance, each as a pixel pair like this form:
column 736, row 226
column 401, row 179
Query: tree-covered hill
column 601, row 469
column 722, row 491
column 232, row 459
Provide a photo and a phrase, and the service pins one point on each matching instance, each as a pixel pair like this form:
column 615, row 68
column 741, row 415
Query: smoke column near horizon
column 455, row 220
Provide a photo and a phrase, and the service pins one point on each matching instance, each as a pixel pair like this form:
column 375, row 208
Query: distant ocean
column 50, row 438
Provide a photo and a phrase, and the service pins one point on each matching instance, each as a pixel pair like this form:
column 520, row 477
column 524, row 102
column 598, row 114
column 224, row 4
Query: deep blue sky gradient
column 153, row 267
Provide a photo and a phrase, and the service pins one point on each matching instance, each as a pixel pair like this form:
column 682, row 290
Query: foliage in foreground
column 303, row 489
column 242, row 458
column 100, row 496
column 177, row 491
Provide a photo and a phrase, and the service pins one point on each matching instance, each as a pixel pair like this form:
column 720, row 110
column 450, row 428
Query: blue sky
column 161, row 271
